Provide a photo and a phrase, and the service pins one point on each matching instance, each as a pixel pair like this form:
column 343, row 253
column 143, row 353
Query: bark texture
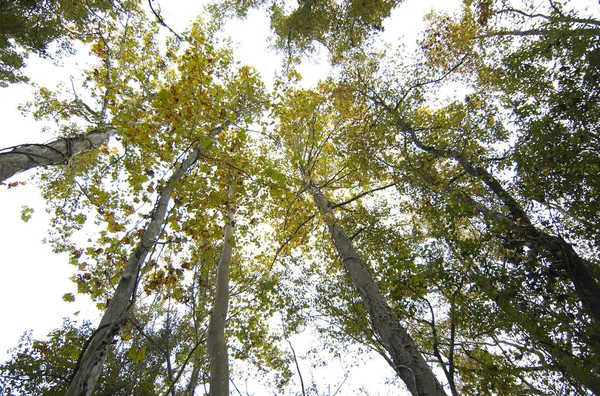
column 216, row 341
column 60, row 151
column 93, row 356
column 408, row 362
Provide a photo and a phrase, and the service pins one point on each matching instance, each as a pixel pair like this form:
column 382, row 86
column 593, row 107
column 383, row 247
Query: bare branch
column 161, row 21
column 297, row 368
column 362, row 195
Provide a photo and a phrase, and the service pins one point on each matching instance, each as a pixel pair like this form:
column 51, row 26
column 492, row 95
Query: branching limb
column 362, row 195
column 161, row 21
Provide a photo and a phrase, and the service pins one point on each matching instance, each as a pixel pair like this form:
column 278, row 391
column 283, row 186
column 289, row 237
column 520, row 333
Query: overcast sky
column 33, row 279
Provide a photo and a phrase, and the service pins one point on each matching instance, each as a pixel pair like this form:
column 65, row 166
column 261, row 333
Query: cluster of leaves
column 45, row 367
column 302, row 27
column 46, row 28
column 471, row 213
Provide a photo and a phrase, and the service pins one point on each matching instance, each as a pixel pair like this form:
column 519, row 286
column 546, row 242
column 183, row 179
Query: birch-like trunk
column 408, row 362
column 93, row 356
column 215, row 340
column 60, row 151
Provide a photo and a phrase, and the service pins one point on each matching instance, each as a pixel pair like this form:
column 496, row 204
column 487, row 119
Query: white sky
column 33, row 279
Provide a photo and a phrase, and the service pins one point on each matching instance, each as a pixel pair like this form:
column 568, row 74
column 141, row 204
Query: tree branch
column 161, row 21
column 297, row 368
column 362, row 195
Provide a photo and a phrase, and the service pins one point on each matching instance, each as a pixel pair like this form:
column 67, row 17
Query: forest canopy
column 438, row 207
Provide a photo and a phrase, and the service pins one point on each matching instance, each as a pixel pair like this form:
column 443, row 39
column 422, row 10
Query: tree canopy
column 47, row 28
column 437, row 207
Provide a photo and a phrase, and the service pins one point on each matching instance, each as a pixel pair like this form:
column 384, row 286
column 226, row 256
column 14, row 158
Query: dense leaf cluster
column 470, row 215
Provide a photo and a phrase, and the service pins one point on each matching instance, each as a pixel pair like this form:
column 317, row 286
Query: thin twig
column 362, row 195
column 297, row 368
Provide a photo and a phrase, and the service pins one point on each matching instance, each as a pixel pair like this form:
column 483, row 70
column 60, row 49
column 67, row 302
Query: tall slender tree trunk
column 60, row 151
column 408, row 362
column 194, row 376
column 216, row 341
column 92, row 358
column 583, row 274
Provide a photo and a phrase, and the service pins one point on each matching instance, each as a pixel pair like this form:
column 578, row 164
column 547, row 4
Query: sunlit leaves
column 137, row 354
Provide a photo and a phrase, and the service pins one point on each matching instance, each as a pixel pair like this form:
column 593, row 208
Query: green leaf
column 137, row 354
column 68, row 297
column 164, row 95
column 82, row 287
column 215, row 198
column 26, row 212
column 80, row 218
column 206, row 142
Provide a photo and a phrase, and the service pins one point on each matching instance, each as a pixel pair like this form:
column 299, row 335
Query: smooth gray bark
column 93, row 356
column 408, row 362
column 60, row 151
column 215, row 339
column 193, row 383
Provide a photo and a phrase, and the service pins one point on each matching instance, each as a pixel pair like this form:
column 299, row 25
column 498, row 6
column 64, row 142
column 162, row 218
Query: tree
column 339, row 27
column 92, row 359
column 306, row 133
column 448, row 147
column 109, row 47
column 407, row 360
column 216, row 341
column 29, row 26
column 44, row 366
column 554, row 58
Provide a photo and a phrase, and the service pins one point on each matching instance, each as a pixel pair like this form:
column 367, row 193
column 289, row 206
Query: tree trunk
column 582, row 273
column 215, row 340
column 193, row 383
column 569, row 365
column 59, row 151
column 408, row 362
column 92, row 357
column 564, row 257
